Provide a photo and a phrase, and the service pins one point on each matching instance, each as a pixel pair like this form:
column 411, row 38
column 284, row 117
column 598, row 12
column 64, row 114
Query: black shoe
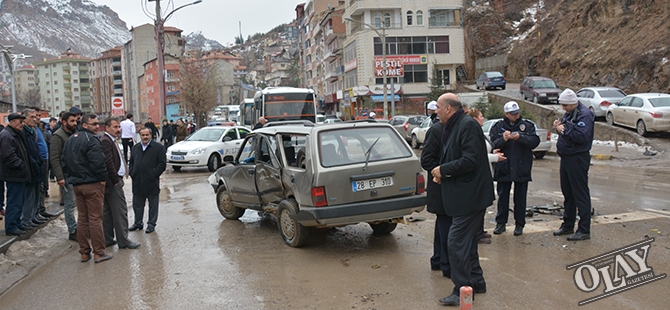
column 579, row 236
column 47, row 214
column 563, row 231
column 108, row 244
column 28, row 227
column 479, row 289
column 150, row 229
column 451, row 300
column 131, row 246
column 16, row 232
column 73, row 236
column 135, row 227
column 37, row 222
column 500, row 228
column 518, row 231
column 41, row 218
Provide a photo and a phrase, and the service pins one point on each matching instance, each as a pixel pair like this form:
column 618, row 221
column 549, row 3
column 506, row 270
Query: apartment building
column 64, row 82
column 27, row 78
column 420, row 36
column 150, row 102
column 107, row 82
column 141, row 49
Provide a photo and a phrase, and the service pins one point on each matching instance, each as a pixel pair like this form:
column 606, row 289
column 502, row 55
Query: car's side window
column 248, row 153
column 243, row 133
column 231, row 134
column 294, row 147
column 625, row 102
column 268, row 148
column 637, row 102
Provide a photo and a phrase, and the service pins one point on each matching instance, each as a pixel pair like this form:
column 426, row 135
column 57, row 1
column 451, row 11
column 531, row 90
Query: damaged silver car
column 318, row 176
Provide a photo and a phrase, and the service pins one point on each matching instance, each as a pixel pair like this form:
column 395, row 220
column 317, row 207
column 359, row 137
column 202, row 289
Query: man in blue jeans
column 32, row 190
column 14, row 170
column 58, row 139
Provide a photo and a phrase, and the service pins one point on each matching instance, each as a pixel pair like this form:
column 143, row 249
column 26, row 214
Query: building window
column 419, row 18
column 75, row 72
column 57, row 99
column 378, row 20
column 76, row 89
column 55, row 91
column 445, row 76
column 351, row 78
column 409, row 18
column 48, row 91
column 380, row 81
column 55, row 82
column 54, row 65
column 76, row 97
column 75, row 81
column 55, row 73
column 47, row 74
column 444, row 17
column 416, row 74
column 387, row 20
column 48, row 83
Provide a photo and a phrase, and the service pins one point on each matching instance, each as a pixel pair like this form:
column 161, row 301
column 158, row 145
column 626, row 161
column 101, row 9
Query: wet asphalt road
column 196, row 259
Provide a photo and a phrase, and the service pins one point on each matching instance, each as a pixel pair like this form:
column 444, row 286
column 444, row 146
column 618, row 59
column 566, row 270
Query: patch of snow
column 664, row 60
column 621, row 144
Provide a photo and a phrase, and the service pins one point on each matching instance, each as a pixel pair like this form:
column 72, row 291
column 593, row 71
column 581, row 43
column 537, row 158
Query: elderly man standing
column 147, row 163
column 69, row 126
column 516, row 138
column 36, row 164
column 115, row 209
column 15, row 171
column 467, row 190
column 575, row 138
column 84, row 164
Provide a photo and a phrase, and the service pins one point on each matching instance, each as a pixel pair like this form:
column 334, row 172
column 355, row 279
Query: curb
column 4, row 246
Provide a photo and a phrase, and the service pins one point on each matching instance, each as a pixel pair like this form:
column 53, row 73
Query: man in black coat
column 15, row 171
column 154, row 131
column 430, row 158
column 516, row 138
column 467, row 190
column 147, row 163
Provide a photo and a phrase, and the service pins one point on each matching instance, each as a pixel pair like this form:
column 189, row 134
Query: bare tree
column 199, row 93
column 31, row 98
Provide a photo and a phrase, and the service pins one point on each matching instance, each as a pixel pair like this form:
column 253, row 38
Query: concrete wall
column 493, row 63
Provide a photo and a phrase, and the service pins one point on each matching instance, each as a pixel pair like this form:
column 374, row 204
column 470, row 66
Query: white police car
column 209, row 146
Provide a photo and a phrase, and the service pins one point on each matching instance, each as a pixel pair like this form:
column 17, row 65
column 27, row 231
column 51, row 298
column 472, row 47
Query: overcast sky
column 217, row 19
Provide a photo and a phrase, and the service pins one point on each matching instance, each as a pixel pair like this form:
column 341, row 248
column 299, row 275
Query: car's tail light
column 504, row 78
column 420, row 183
column 488, row 79
column 548, row 135
column 656, row 114
column 406, row 126
column 605, row 104
column 319, row 196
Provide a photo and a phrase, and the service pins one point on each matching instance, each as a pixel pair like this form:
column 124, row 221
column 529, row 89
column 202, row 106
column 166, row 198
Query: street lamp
column 11, row 59
column 158, row 27
column 382, row 36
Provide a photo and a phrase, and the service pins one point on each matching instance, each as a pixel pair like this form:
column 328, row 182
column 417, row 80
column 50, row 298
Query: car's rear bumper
column 368, row 211
column 543, row 147
column 496, row 84
column 659, row 124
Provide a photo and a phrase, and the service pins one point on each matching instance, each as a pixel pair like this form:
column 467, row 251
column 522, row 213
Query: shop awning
column 380, row 98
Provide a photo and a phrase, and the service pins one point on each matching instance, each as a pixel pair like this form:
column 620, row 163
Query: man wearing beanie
column 432, row 108
column 575, row 137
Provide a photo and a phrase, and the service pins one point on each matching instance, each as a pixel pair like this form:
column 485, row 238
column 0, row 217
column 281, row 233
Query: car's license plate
column 177, row 157
column 363, row 185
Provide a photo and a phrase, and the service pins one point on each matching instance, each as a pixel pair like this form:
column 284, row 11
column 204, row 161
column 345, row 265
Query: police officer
column 516, row 138
column 575, row 137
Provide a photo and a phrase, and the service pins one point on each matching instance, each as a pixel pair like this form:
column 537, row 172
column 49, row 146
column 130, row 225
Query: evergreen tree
column 436, row 88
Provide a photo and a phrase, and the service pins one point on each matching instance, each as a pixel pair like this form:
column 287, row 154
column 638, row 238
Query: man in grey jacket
column 58, row 139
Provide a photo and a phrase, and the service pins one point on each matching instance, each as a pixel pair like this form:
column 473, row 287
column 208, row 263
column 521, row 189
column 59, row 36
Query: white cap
column 372, row 114
column 512, row 107
column 432, row 105
column 568, row 97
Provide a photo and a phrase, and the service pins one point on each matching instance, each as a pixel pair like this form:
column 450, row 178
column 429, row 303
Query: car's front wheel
column 539, row 155
column 415, row 142
column 176, row 168
column 293, row 233
column 641, row 128
column 225, row 205
column 213, row 163
column 383, row 228
column 610, row 118
column 535, row 99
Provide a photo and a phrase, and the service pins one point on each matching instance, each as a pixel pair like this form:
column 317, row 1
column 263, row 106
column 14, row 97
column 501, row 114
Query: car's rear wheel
column 293, row 233
column 503, row 88
column 539, row 155
column 176, row 168
column 641, row 128
column 415, row 142
column 535, row 99
column 383, row 228
column 214, row 162
column 225, row 205
column 477, row 86
column 610, row 119
column 592, row 111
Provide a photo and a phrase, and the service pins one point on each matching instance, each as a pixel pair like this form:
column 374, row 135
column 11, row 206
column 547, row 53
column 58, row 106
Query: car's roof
column 601, row 88
column 649, row 95
column 299, row 129
column 537, row 78
column 276, row 90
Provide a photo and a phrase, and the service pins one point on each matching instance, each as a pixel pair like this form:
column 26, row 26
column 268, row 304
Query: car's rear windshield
column 415, row 120
column 494, row 74
column 544, row 84
column 612, row 93
column 206, row 135
column 352, row 145
column 660, row 102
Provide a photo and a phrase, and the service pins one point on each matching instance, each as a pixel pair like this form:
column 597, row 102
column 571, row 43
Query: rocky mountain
column 579, row 43
column 196, row 41
column 44, row 28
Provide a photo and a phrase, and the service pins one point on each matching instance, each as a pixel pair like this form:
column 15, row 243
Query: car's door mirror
column 226, row 139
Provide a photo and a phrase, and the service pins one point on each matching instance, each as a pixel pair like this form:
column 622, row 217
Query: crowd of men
column 458, row 155
column 89, row 169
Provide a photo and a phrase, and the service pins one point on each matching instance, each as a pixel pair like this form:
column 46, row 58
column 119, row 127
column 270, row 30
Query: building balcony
column 86, row 99
column 118, row 82
column 67, row 76
column 332, row 55
column 68, row 94
column 83, row 85
column 68, row 102
column 331, row 76
column 67, row 85
column 172, row 80
column 172, row 93
column 84, row 76
column 118, row 91
column 116, row 63
column 85, row 93
column 117, row 72
column 358, row 7
column 83, row 69
column 66, row 68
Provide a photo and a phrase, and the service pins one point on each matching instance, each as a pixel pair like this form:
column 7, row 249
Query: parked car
column 544, row 134
column 492, row 79
column 598, row 99
column 207, row 147
column 220, row 121
column 318, row 176
column 645, row 112
column 419, row 133
column 405, row 123
column 539, row 89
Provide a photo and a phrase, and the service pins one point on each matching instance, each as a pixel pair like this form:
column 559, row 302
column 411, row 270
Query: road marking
column 645, row 214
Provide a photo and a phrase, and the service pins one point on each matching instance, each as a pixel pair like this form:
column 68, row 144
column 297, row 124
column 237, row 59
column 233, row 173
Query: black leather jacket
column 83, row 159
